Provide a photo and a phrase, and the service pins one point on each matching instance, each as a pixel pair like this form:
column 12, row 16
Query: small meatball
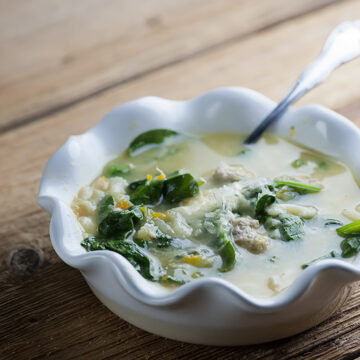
column 228, row 173
column 246, row 234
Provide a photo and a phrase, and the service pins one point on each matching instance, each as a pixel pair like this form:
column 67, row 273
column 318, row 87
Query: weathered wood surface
column 46, row 309
column 56, row 53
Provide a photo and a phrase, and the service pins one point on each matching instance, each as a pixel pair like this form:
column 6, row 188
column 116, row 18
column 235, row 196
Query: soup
column 182, row 207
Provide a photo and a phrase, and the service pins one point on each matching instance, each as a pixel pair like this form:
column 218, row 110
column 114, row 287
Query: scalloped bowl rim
column 133, row 282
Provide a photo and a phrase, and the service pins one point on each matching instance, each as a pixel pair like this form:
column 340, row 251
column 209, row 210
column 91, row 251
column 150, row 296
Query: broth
column 262, row 268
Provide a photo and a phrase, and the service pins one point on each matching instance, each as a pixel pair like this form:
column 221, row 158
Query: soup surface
column 182, row 207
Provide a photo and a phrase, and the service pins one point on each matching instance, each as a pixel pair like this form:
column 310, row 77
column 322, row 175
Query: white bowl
column 209, row 310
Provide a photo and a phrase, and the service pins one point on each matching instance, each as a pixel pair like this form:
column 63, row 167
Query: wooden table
column 64, row 64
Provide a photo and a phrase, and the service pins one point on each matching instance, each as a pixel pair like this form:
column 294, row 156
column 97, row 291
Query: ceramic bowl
column 209, row 310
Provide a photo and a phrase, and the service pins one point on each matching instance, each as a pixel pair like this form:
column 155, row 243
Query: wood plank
column 53, row 55
column 54, row 313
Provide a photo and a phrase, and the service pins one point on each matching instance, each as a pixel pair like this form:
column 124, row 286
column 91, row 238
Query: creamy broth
column 261, row 269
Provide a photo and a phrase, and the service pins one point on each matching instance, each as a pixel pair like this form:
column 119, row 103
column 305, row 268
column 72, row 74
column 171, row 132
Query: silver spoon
column 342, row 45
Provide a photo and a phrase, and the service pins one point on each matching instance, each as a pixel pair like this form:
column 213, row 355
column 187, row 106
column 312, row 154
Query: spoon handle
column 342, row 45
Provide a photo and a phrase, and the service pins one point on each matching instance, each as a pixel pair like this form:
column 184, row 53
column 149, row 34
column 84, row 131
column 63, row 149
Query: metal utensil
column 342, row 45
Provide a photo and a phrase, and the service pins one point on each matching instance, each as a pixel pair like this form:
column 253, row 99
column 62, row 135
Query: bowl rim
column 127, row 276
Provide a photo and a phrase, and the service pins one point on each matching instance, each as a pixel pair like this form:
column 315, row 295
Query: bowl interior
column 82, row 157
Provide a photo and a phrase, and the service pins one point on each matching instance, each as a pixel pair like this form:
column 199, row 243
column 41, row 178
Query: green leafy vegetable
column 149, row 193
column 223, row 243
column 244, row 151
column 149, row 139
column 117, row 170
column 349, row 229
column 126, row 248
column 135, row 184
column 298, row 186
column 329, row 222
column 273, row 259
column 227, row 254
column 298, row 163
column 350, row 246
column 180, row 187
column 105, row 206
column 261, row 205
column 291, row 227
column 323, row 164
column 332, row 254
column 162, row 240
column 174, row 188
column 169, row 279
column 271, row 223
column 120, row 224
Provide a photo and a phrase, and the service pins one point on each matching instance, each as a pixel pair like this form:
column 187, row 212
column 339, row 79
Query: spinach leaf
column 120, row 224
column 227, row 254
column 172, row 280
column 117, row 170
column 323, row 164
column 162, row 240
column 271, row 223
column 350, row 247
column 149, row 193
column 223, row 243
column 349, row 229
column 218, row 224
column 180, row 187
column 174, row 188
column 105, row 206
column 93, row 243
column 332, row 254
column 141, row 242
column 128, row 249
column 244, row 151
column 135, row 184
column 298, row 186
column 149, row 139
column 329, row 222
column 291, row 227
column 263, row 202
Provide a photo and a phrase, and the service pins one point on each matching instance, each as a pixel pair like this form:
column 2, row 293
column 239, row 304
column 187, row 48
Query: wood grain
column 56, row 53
column 51, row 312
column 56, row 316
